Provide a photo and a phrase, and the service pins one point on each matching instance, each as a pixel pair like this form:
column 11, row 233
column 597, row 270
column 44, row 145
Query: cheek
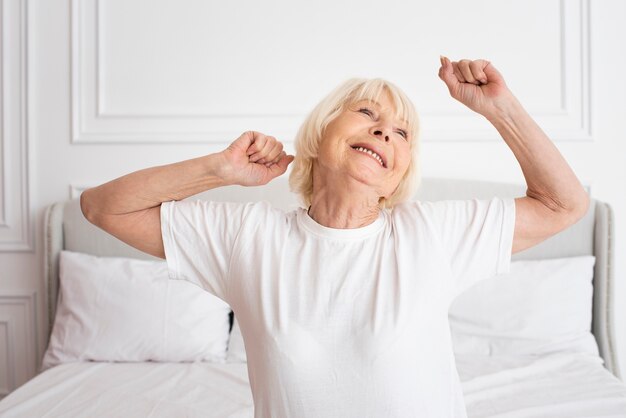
column 328, row 152
column 403, row 160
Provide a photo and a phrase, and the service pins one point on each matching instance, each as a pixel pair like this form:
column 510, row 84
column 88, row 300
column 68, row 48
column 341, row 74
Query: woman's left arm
column 554, row 199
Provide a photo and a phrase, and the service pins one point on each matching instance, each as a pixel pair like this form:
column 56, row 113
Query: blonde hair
column 312, row 130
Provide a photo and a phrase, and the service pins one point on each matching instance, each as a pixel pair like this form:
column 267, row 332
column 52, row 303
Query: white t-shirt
column 343, row 322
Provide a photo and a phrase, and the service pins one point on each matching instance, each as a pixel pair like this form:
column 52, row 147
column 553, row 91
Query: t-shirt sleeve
column 198, row 238
column 476, row 236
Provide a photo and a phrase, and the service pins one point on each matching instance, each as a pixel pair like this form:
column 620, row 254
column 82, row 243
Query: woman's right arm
column 129, row 207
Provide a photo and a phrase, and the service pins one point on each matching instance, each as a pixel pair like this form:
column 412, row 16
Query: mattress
column 562, row 385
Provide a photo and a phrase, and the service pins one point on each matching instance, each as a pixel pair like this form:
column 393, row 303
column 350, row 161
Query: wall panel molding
column 95, row 121
column 16, row 232
column 18, row 322
column 77, row 189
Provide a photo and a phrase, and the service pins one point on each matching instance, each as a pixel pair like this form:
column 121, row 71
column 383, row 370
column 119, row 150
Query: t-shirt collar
column 311, row 225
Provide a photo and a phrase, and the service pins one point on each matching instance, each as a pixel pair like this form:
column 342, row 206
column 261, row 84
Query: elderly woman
column 343, row 303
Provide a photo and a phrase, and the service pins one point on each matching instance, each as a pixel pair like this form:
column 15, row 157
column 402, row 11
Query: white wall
column 94, row 90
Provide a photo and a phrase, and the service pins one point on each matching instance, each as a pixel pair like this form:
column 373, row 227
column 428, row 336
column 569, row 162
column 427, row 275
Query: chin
column 365, row 178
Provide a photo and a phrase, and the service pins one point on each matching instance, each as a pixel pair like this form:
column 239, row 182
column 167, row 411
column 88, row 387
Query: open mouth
column 372, row 154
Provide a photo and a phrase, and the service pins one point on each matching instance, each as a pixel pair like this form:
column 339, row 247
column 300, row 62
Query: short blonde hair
column 312, row 130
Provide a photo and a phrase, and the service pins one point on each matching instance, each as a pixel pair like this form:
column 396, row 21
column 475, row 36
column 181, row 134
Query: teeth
column 370, row 152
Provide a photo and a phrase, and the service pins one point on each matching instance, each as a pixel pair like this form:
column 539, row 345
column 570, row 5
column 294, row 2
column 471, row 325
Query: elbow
column 579, row 209
column 86, row 207
column 583, row 206
column 566, row 214
column 570, row 210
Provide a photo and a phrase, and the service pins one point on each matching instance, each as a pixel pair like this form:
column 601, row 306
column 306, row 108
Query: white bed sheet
column 132, row 390
column 559, row 386
column 563, row 385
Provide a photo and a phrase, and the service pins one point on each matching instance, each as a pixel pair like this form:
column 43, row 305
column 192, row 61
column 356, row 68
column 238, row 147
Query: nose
column 379, row 133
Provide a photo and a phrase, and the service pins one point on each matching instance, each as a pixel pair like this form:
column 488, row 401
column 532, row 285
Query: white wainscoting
column 150, row 71
column 15, row 224
column 18, row 339
column 77, row 189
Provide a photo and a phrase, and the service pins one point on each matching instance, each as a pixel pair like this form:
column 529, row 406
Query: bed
column 542, row 343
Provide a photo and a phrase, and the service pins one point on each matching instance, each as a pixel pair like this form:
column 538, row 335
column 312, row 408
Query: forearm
column 150, row 187
column 548, row 176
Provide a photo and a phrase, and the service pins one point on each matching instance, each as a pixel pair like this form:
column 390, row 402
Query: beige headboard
column 67, row 229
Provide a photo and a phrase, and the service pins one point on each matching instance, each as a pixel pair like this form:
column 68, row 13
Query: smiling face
column 367, row 144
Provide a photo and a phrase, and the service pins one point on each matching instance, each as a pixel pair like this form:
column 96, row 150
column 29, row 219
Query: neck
column 343, row 206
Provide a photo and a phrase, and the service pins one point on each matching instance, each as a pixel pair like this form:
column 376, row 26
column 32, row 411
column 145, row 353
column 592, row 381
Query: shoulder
column 435, row 208
column 414, row 215
column 214, row 205
column 265, row 211
column 448, row 212
column 417, row 209
column 200, row 210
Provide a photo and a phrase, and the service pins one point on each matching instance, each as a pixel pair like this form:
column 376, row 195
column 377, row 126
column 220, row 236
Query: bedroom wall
column 93, row 90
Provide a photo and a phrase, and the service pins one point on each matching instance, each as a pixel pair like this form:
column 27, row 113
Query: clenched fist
column 477, row 84
column 253, row 159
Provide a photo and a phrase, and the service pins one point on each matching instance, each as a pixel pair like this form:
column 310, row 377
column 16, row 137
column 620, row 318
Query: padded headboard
column 67, row 229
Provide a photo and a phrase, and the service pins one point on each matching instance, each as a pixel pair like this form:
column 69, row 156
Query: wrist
column 216, row 167
column 504, row 108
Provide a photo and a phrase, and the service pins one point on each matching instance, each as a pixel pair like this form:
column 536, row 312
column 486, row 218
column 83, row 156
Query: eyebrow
column 405, row 122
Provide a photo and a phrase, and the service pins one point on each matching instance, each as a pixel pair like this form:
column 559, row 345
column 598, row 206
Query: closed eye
column 366, row 111
column 403, row 133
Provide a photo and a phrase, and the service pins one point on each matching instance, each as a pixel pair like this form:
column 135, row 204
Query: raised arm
column 129, row 207
column 554, row 199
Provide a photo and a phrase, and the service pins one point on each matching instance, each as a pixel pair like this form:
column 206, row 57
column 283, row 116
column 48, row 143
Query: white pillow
column 123, row 309
column 540, row 307
column 236, row 348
